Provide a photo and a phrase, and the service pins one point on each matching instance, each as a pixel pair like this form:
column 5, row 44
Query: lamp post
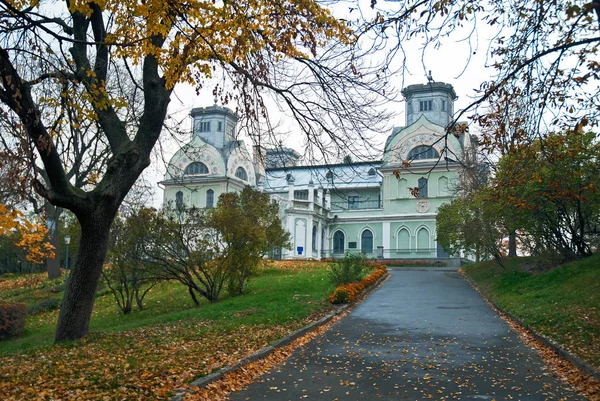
column 67, row 242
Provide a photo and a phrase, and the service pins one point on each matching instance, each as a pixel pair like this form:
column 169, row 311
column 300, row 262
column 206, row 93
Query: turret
column 434, row 100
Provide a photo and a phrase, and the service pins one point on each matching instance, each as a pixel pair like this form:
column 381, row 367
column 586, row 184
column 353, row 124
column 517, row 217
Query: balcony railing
column 357, row 205
column 425, row 253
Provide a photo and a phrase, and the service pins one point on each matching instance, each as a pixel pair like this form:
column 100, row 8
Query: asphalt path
column 422, row 335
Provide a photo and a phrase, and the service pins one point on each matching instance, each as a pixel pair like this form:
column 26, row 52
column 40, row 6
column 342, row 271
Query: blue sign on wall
column 300, row 249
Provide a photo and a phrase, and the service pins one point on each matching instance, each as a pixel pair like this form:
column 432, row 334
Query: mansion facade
column 369, row 207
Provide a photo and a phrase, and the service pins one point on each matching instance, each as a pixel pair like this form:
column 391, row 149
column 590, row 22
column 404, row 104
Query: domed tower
column 215, row 125
column 434, row 100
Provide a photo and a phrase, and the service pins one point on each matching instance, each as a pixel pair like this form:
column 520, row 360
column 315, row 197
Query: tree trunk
column 53, row 265
column 512, row 244
column 53, row 217
column 78, row 301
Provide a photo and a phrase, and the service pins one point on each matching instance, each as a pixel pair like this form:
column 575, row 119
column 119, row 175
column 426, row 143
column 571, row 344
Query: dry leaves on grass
column 9, row 282
column 142, row 364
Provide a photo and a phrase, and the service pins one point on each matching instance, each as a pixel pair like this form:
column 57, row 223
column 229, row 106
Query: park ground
column 148, row 354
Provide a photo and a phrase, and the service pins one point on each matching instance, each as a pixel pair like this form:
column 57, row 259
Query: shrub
column 346, row 293
column 12, row 319
column 347, row 270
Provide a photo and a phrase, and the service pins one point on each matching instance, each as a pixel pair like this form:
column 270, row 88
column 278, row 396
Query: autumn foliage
column 349, row 292
column 33, row 237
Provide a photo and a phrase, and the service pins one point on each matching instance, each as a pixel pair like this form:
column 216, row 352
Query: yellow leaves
column 33, row 236
column 8, row 219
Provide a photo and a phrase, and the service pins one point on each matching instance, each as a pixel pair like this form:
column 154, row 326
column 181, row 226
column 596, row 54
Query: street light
column 67, row 242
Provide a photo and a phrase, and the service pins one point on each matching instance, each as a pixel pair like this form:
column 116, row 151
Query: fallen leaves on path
column 581, row 382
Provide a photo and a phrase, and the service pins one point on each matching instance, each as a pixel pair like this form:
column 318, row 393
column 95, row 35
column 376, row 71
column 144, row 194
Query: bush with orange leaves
column 347, row 293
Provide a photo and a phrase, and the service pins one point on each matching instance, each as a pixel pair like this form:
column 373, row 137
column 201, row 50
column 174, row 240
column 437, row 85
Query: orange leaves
column 346, row 293
column 33, row 236
column 8, row 219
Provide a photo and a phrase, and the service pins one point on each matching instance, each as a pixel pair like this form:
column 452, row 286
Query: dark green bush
column 347, row 270
column 12, row 319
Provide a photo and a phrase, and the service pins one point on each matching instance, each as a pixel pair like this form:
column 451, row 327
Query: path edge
column 282, row 342
column 563, row 353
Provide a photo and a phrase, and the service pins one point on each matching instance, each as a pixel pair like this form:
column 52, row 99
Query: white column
column 311, row 196
column 386, row 237
column 309, row 230
column 327, row 200
column 320, row 196
column 319, row 240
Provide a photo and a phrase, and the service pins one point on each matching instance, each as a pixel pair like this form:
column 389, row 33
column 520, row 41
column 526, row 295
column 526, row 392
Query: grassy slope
column 274, row 298
column 562, row 304
column 148, row 353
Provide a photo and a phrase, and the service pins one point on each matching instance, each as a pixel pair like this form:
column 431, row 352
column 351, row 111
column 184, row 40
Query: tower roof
column 429, row 87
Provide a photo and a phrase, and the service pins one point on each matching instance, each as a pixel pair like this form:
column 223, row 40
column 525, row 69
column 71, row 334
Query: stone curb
column 266, row 351
column 577, row 362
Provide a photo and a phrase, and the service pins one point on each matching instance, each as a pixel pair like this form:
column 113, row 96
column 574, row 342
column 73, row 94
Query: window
column 314, row 239
column 322, row 238
column 366, row 241
column 423, row 152
column 202, row 126
column 210, row 198
column 179, row 200
column 423, row 239
column 422, row 187
column 195, row 169
column 425, row 105
column 241, row 174
column 443, row 105
column 372, row 171
column 301, row 194
column 220, row 126
column 338, row 242
column 353, row 201
column 403, row 241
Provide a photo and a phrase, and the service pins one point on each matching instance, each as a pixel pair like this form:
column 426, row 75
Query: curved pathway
column 423, row 335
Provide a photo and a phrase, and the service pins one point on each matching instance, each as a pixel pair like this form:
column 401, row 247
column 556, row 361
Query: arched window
column 366, row 241
column 422, row 187
column 241, row 174
column 423, row 239
column 338, row 242
column 314, row 239
column 179, row 200
column 423, row 152
column 322, row 238
column 210, row 199
column 195, row 169
column 403, row 241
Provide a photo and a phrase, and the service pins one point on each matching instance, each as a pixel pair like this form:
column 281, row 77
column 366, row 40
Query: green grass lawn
column 562, row 304
column 274, row 297
column 146, row 354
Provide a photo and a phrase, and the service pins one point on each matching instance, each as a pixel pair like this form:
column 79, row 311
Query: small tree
column 247, row 225
column 182, row 248
column 469, row 224
column 128, row 275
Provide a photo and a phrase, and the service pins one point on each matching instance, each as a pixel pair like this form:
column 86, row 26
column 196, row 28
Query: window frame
column 189, row 167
